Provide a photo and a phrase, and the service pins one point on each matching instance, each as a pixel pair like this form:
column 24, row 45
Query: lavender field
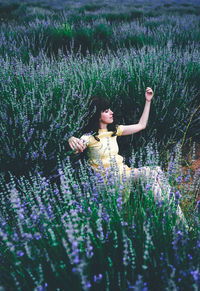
column 62, row 226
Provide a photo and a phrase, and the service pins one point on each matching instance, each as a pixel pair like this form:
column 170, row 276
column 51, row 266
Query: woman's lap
column 147, row 172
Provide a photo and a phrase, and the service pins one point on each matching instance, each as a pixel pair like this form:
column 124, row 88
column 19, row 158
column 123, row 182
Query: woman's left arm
column 133, row 128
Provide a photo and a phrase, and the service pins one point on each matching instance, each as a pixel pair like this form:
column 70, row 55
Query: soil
column 192, row 163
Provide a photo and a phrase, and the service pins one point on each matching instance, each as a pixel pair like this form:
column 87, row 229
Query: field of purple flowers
column 62, row 227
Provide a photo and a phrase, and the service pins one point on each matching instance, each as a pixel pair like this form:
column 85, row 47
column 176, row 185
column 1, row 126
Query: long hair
column 96, row 106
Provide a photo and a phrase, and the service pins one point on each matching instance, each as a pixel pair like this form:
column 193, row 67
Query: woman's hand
column 149, row 94
column 76, row 144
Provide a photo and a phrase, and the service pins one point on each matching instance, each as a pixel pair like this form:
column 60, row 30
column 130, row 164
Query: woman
column 100, row 141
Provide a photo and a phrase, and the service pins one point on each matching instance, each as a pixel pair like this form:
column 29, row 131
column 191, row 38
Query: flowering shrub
column 80, row 233
column 44, row 102
column 75, row 232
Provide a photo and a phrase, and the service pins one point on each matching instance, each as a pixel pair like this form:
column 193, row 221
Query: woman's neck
column 103, row 126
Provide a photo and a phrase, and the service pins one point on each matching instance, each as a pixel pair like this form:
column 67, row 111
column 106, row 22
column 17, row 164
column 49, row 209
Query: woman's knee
column 135, row 174
column 145, row 170
column 158, row 169
column 141, row 173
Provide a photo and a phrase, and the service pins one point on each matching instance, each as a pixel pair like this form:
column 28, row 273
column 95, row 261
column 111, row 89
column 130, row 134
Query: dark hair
column 96, row 106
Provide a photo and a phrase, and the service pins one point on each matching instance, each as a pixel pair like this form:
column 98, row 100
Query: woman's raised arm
column 133, row 128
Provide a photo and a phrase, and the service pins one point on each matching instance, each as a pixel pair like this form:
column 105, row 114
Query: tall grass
column 95, row 33
column 62, row 226
column 44, row 102
column 80, row 235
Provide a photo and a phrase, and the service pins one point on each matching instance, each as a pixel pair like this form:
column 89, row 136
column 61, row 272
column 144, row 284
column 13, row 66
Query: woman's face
column 106, row 116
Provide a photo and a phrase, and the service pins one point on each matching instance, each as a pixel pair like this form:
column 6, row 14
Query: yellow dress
column 103, row 155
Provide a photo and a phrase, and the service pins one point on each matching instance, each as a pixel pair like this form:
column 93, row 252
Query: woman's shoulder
column 119, row 129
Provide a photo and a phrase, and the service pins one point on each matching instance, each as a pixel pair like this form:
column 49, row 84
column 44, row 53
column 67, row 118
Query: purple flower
column 19, row 254
column 189, row 256
column 88, row 285
column 56, row 191
column 76, row 260
column 198, row 205
column 179, row 179
column 148, row 186
column 37, row 235
column 98, row 278
column 177, row 195
column 41, row 288
column 195, row 275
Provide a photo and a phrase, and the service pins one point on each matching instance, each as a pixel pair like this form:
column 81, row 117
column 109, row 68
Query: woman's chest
column 105, row 147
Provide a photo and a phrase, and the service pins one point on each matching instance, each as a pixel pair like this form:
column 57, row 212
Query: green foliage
column 75, row 18
column 47, row 108
column 167, row 5
column 52, row 61
column 183, row 11
column 94, row 33
column 83, row 38
column 138, row 41
column 91, row 39
column 89, row 18
column 91, row 8
column 66, row 230
column 123, row 17
column 111, row 17
column 103, row 32
column 9, row 8
column 58, row 38
column 137, row 14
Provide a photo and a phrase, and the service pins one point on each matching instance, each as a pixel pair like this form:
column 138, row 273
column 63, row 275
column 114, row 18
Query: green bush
column 60, row 87
column 58, row 219
column 83, row 39
column 138, row 41
column 92, row 8
column 136, row 14
column 183, row 11
column 103, row 33
column 58, row 38
column 90, row 18
column 58, row 234
column 9, row 8
column 75, row 18
column 117, row 17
